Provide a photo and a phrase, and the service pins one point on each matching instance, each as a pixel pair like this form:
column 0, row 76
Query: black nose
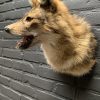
column 7, row 30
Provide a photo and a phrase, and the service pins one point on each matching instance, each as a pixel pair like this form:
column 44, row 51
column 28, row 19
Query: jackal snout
column 14, row 28
column 7, row 30
column 36, row 20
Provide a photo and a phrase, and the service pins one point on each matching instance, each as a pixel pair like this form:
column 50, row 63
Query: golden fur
column 67, row 41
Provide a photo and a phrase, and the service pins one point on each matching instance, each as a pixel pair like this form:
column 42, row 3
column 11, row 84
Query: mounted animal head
column 38, row 22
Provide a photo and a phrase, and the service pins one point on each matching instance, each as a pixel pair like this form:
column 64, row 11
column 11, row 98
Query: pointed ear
column 31, row 2
column 53, row 5
column 48, row 5
column 34, row 2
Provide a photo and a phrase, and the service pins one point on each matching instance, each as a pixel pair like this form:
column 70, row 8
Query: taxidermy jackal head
column 38, row 23
column 67, row 40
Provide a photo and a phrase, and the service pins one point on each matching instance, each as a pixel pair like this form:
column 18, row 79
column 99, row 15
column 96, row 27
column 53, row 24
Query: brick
column 1, row 61
column 91, row 83
column 6, row 62
column 24, row 66
column 0, row 51
column 13, row 5
column 87, row 95
column 35, row 48
column 23, row 97
column 11, row 73
column 7, row 43
column 18, row 65
column 10, row 93
column 25, row 89
column 12, row 53
column 64, row 90
column 82, row 4
column 2, row 1
column 42, row 95
column 16, row 86
column 91, row 17
column 35, row 81
column 3, row 97
column 4, row 80
column 7, row 7
column 21, row 4
column 1, row 17
column 1, row 33
column 29, row 91
column 96, row 32
column 14, row 14
column 75, row 4
column 34, row 56
column 50, row 74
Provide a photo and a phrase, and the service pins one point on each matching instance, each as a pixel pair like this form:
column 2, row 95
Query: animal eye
column 29, row 19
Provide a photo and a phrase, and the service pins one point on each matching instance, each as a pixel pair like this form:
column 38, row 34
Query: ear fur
column 54, row 5
column 34, row 2
column 48, row 5
column 30, row 1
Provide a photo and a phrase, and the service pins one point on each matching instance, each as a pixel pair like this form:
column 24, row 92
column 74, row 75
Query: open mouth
column 25, row 42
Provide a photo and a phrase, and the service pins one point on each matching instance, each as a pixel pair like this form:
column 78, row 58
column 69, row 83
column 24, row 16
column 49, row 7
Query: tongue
column 25, row 42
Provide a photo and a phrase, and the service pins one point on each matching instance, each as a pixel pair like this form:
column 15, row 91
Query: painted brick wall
column 24, row 75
